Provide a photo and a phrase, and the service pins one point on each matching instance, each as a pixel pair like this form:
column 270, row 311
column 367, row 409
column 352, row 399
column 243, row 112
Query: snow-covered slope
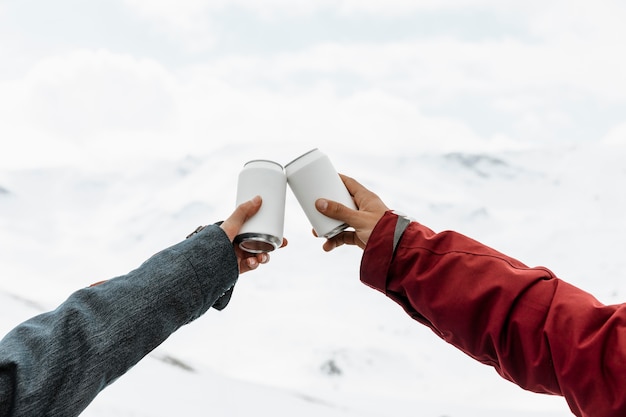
column 302, row 336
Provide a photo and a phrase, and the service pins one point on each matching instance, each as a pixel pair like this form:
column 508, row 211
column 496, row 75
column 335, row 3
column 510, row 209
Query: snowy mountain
column 302, row 336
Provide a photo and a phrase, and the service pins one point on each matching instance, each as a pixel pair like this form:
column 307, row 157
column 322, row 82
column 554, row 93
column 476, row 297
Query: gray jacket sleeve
column 56, row 363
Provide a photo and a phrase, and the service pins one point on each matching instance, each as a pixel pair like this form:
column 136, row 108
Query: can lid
column 265, row 162
column 300, row 158
column 257, row 242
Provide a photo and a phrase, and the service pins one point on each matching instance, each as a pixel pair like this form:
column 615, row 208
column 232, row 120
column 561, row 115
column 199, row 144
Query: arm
column 57, row 362
column 533, row 328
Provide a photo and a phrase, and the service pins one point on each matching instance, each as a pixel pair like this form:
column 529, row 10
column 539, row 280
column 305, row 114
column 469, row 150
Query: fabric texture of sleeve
column 536, row 330
column 56, row 363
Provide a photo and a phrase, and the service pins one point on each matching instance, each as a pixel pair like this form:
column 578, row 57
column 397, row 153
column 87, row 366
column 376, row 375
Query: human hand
column 247, row 261
column 370, row 208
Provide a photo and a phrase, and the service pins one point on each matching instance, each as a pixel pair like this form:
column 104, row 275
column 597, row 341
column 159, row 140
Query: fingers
column 344, row 238
column 243, row 212
column 365, row 200
column 351, row 184
column 363, row 197
column 250, row 262
column 259, row 258
column 337, row 211
column 370, row 208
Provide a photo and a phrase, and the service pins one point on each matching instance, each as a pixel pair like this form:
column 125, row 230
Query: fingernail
column 321, row 204
column 256, row 199
column 264, row 258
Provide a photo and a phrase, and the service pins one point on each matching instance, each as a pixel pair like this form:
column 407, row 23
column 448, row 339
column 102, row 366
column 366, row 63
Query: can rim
column 302, row 156
column 263, row 160
column 272, row 242
column 334, row 232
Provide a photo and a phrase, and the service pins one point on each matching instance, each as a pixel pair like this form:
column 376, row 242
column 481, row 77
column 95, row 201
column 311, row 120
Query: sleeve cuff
column 226, row 292
column 378, row 253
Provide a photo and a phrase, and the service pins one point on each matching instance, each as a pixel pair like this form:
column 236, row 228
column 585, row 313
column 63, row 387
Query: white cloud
column 400, row 7
column 187, row 21
column 86, row 91
column 616, row 136
column 579, row 20
column 326, row 91
column 116, row 106
column 81, row 99
column 182, row 11
column 371, row 120
column 444, row 67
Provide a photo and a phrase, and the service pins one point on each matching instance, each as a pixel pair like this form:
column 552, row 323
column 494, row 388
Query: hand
column 246, row 261
column 370, row 208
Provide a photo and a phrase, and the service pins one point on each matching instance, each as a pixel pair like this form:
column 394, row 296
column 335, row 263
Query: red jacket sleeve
column 536, row 330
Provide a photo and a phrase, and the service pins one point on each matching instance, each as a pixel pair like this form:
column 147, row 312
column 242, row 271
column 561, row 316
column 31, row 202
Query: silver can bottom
column 257, row 242
column 336, row 231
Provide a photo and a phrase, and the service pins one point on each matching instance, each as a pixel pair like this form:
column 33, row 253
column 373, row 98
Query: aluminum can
column 312, row 176
column 263, row 232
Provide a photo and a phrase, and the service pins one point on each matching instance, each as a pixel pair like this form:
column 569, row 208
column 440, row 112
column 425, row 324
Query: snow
column 302, row 335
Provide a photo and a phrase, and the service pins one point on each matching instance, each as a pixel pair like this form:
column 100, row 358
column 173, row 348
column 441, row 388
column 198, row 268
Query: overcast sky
column 104, row 80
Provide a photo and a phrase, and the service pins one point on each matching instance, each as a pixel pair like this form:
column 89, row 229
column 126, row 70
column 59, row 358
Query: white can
column 263, row 232
column 312, row 176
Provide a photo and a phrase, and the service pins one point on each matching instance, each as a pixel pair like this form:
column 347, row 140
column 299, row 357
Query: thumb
column 243, row 212
column 337, row 211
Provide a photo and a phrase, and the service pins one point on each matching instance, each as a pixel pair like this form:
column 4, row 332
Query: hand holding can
column 312, row 176
column 263, row 232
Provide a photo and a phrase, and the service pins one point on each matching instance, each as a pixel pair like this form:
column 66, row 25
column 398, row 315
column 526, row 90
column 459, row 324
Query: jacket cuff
column 229, row 268
column 378, row 253
column 224, row 299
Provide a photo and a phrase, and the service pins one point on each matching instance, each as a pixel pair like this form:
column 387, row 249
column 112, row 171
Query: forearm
column 535, row 329
column 56, row 363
